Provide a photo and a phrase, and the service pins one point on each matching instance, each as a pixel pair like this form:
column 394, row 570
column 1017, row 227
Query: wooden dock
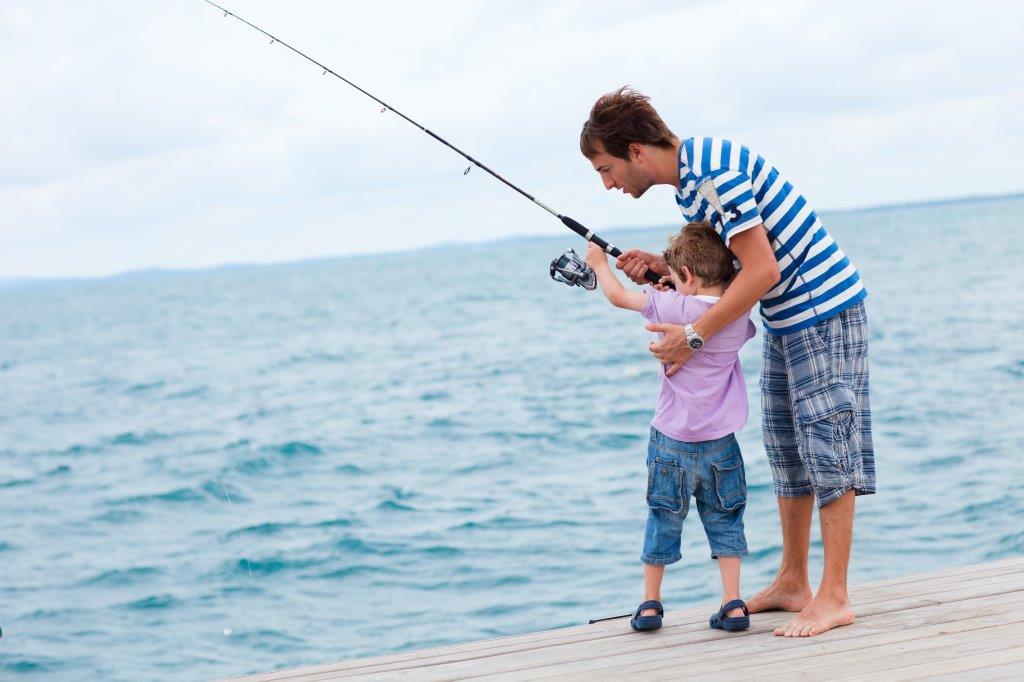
column 960, row 623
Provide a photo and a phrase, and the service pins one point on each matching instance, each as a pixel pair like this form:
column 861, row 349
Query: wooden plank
column 661, row 644
column 609, row 640
column 993, row 665
column 922, row 591
column 876, row 661
column 722, row 649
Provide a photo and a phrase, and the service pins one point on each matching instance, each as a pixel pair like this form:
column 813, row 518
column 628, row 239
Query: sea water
column 242, row 469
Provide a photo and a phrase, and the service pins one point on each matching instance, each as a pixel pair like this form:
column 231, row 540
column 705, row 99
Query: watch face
column 695, row 344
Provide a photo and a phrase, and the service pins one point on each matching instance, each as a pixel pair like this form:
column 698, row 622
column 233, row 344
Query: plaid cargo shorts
column 815, row 411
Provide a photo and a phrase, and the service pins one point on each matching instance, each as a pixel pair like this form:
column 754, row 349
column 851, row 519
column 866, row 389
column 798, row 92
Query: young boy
column 692, row 450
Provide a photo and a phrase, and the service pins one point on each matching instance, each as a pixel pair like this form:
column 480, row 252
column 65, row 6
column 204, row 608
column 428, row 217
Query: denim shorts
column 815, row 410
column 710, row 471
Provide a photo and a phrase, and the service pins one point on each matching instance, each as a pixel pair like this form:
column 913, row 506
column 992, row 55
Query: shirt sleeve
column 736, row 193
column 650, row 309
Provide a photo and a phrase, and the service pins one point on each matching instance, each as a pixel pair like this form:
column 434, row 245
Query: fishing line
column 385, row 107
column 248, row 564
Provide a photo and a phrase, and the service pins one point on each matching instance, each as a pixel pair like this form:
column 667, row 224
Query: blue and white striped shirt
column 817, row 280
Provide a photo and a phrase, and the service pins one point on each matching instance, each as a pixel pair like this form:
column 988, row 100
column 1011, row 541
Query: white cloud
column 165, row 135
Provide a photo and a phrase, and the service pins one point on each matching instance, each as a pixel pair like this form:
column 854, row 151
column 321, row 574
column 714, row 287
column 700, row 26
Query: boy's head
column 698, row 252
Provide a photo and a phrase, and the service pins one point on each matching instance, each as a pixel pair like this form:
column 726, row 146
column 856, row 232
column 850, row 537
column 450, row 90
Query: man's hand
column 634, row 263
column 671, row 350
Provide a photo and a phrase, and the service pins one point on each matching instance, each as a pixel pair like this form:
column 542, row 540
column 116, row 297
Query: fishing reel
column 570, row 269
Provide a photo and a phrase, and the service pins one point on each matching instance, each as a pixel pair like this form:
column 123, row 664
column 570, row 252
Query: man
column 814, row 381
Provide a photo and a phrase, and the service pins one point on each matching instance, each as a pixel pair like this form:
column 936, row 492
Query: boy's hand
column 596, row 255
column 663, row 284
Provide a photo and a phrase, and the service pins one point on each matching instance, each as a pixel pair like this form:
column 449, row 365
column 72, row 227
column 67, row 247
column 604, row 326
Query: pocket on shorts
column 664, row 485
column 824, row 402
column 827, row 417
column 730, row 481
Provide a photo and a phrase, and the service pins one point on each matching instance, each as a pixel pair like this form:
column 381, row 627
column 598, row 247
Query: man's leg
column 791, row 589
column 831, row 605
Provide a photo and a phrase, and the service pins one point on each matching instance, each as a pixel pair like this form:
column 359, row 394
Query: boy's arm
column 612, row 288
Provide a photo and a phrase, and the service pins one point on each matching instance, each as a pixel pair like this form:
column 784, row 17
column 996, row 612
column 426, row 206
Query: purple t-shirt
column 707, row 398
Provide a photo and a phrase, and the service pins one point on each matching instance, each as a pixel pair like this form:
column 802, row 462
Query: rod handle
column 614, row 252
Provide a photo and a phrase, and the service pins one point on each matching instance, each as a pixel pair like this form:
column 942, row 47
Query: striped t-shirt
column 817, row 280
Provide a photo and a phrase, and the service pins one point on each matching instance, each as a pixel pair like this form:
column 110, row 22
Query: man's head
column 698, row 252
column 622, row 139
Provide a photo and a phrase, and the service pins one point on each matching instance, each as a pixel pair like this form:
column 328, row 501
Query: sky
column 163, row 135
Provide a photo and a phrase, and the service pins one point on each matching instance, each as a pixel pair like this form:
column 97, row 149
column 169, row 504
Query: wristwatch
column 694, row 340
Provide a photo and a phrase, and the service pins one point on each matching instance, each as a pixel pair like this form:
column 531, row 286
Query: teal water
column 228, row 471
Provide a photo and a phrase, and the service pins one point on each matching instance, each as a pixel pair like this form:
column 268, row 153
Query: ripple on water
column 350, row 571
column 354, row 545
column 176, row 496
column 430, row 396
column 331, row 523
column 146, row 386
column 511, row 522
column 118, row 516
column 274, row 565
column 295, row 448
column 393, row 506
column 24, row 666
column 152, row 603
column 132, row 438
column 262, row 529
column 121, row 577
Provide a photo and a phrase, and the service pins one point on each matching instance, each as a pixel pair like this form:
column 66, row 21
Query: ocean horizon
column 156, row 271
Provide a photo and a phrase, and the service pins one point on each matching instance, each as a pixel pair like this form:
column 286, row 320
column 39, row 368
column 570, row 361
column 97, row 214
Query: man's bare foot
column 820, row 615
column 780, row 597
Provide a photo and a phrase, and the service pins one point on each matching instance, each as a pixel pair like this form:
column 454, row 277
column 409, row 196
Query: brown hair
column 620, row 118
column 698, row 247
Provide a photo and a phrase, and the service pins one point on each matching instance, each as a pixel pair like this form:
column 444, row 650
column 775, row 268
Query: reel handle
column 613, row 251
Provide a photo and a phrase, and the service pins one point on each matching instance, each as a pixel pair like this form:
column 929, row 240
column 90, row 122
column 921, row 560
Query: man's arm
column 613, row 290
column 759, row 273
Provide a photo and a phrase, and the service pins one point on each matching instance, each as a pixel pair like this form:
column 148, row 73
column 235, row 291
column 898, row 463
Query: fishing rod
column 568, row 268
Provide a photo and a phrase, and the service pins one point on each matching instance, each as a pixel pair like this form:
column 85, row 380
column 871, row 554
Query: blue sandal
column 639, row 622
column 720, row 621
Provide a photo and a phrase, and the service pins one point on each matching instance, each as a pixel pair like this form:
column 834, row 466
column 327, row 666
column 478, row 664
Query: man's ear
column 685, row 274
column 636, row 151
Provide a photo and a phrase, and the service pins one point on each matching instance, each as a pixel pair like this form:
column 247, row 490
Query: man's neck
column 665, row 164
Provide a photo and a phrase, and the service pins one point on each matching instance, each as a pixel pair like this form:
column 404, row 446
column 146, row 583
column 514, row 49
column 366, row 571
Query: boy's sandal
column 639, row 622
column 720, row 621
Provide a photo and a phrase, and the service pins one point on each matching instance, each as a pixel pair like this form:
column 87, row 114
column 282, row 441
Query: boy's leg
column 721, row 502
column 653, row 575
column 729, row 568
column 668, row 500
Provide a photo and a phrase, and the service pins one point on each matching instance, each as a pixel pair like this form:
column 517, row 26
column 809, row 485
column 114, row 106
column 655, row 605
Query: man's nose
column 608, row 183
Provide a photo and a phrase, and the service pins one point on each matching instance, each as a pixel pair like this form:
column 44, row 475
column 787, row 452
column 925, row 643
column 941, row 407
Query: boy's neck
column 710, row 291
